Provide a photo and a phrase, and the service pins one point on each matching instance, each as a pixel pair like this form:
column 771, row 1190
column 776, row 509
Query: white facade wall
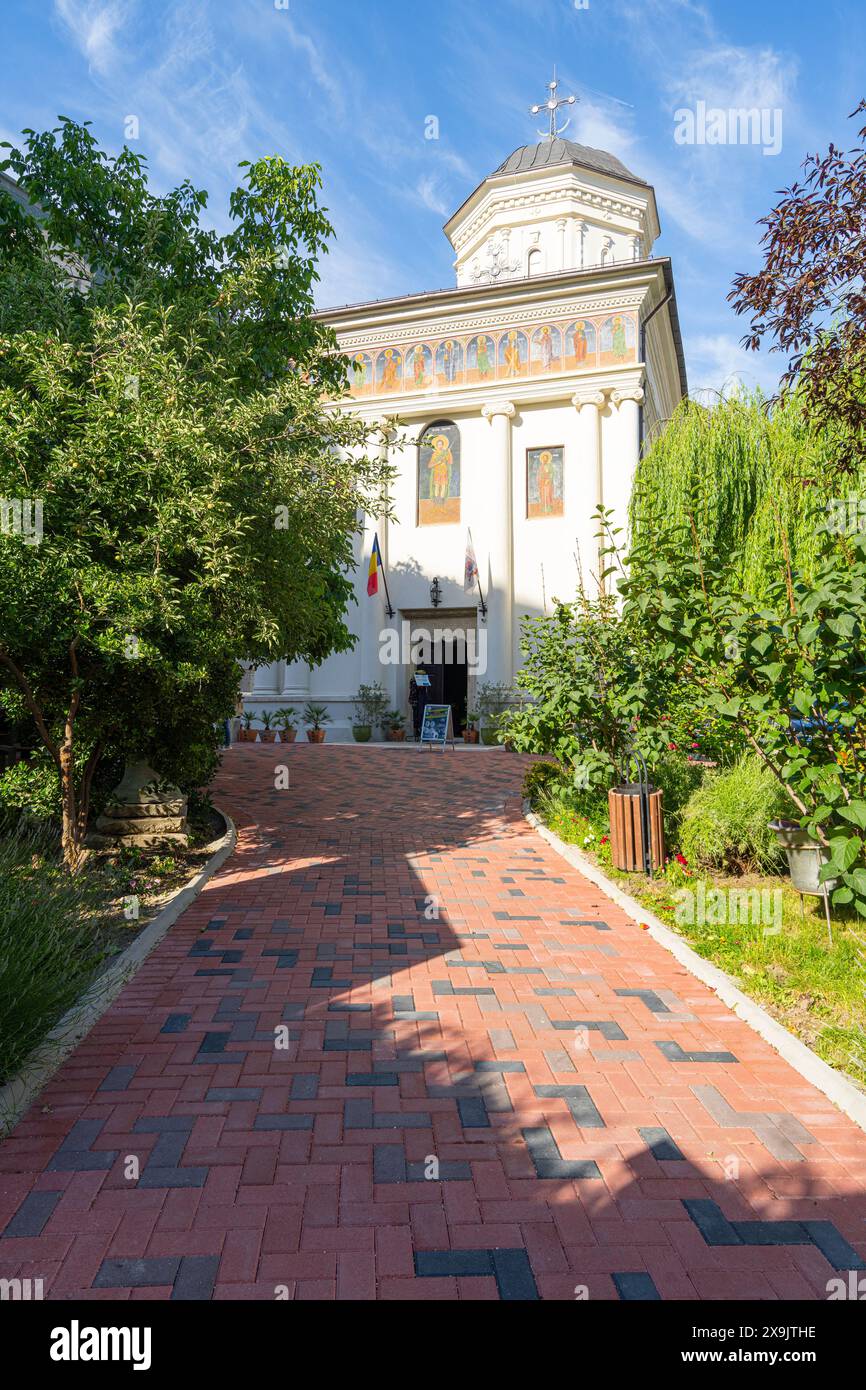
column 590, row 408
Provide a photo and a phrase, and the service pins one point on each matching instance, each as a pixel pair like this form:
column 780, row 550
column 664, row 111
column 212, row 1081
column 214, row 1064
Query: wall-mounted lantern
column 435, row 593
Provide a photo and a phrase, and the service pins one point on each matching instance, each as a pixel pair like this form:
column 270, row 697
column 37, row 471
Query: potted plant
column 285, row 722
column 806, row 858
column 267, row 734
column 493, row 700
column 470, row 728
column 246, row 733
column 395, row 726
column 315, row 716
column 370, row 705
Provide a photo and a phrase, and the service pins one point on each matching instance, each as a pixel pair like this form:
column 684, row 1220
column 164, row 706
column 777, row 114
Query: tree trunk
column 71, row 836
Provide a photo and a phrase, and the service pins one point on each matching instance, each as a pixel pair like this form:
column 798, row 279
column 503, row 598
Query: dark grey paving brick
column 137, row 1274
column 659, row 1142
column 548, row 1161
column 195, row 1278
column 606, row 1027
column 675, row 1053
column 579, row 1102
column 32, row 1215
column 636, row 1288
column 653, row 1001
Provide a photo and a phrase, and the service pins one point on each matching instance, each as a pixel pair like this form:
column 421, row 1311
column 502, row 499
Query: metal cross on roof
column 551, row 106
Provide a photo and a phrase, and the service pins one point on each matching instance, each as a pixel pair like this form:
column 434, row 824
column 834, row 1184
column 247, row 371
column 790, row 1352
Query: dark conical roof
column 551, row 152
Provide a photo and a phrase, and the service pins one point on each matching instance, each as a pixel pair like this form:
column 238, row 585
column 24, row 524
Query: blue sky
column 351, row 83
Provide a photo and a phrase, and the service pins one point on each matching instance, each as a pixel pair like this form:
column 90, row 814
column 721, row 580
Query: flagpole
column 471, row 548
column 387, row 595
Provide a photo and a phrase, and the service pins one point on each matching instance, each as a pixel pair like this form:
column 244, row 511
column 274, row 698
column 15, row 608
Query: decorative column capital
column 631, row 393
column 582, row 398
column 506, row 408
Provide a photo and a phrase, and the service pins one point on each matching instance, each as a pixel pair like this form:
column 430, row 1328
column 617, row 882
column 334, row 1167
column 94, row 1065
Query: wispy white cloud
column 94, row 26
column 717, row 362
column 428, row 193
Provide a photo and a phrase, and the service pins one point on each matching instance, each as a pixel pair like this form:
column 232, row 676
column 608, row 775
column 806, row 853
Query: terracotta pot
column 268, row 735
column 470, row 735
column 316, row 735
column 288, row 735
column 396, row 736
column 246, row 735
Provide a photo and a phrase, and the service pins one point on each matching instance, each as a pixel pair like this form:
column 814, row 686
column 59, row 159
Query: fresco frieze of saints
column 419, row 367
column 361, row 374
column 449, row 362
column 513, row 354
column 546, row 349
column 544, row 492
column 580, row 344
column 439, row 474
column 604, row 341
column 481, row 359
column 617, row 340
column 389, row 370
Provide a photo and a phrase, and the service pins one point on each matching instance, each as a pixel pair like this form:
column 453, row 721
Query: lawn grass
column 815, row 988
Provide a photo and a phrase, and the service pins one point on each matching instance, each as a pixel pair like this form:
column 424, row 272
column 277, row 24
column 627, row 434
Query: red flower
column 672, row 746
column 681, row 859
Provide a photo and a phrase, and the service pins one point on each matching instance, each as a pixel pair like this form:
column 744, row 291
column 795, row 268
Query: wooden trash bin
column 626, row 831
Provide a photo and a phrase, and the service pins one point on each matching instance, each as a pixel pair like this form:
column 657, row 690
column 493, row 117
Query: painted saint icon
column 481, row 359
column 513, row 353
column 618, row 339
column 449, row 362
column 546, row 348
column 360, row 374
column 544, row 494
column 389, row 370
column 580, row 343
column 439, row 474
column 419, row 364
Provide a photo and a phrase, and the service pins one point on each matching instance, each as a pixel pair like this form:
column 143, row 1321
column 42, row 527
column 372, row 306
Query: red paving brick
column 393, row 913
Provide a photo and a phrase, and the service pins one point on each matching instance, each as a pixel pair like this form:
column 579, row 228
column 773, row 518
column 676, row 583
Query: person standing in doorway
column 419, row 694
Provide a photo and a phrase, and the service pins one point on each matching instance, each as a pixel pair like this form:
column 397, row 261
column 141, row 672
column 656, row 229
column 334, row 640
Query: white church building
column 525, row 395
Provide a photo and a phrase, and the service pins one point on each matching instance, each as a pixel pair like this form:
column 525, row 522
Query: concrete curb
column 832, row 1083
column 18, row 1094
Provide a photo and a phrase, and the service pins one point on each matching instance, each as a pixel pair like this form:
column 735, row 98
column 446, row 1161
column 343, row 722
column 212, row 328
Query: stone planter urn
column 143, row 812
column 362, row 733
column 490, row 735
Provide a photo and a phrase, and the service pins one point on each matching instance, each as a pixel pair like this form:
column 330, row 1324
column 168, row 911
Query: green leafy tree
column 162, row 396
column 593, row 687
column 787, row 674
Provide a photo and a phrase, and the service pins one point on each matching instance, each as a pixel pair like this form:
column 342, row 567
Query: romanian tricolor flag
column 375, row 566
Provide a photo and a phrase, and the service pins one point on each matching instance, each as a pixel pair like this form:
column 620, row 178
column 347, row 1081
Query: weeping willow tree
column 752, row 477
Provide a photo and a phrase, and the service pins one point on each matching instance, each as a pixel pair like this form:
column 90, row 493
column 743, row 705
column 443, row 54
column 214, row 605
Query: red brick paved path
column 598, row 1117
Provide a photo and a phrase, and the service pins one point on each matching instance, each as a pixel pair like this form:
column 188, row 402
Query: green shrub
column 538, row 778
column 725, row 824
column 49, row 945
column 678, row 780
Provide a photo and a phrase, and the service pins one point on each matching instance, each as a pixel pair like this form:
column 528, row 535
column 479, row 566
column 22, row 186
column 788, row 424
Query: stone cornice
column 605, row 205
column 400, row 335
